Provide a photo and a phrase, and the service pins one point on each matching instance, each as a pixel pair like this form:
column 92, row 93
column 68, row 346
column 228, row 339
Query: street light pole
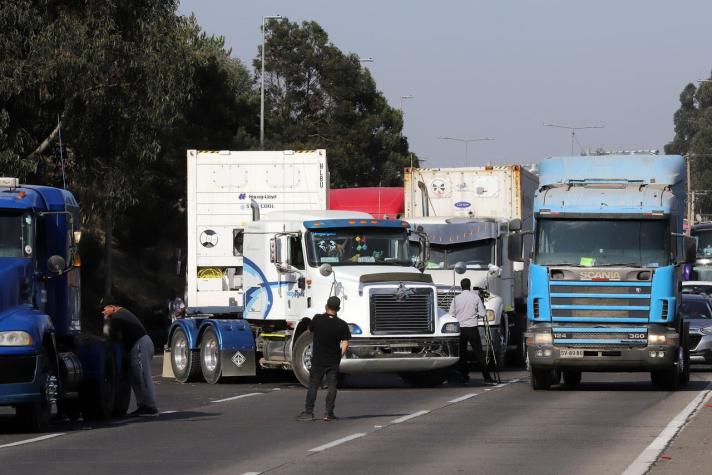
column 262, row 83
column 467, row 143
column 573, row 131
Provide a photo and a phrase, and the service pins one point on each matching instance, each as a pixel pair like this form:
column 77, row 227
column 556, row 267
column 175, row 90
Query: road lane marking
column 650, row 454
column 29, row 441
column 409, row 417
column 168, row 412
column 348, row 438
column 464, row 398
column 237, row 397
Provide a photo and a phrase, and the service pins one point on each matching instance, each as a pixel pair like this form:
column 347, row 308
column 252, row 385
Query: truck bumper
column 603, row 358
column 18, row 374
column 375, row 355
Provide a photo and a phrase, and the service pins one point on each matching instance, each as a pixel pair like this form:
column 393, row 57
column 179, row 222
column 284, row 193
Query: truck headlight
column 355, row 329
column 452, row 327
column 656, row 339
column 490, row 315
column 706, row 330
column 540, row 339
column 15, row 338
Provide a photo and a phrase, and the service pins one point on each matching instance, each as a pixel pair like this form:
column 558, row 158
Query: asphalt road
column 385, row 427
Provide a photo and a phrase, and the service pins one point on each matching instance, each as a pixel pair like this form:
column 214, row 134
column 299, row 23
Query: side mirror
column 515, row 225
column 690, row 244
column 56, row 264
column 460, row 267
column 494, row 269
column 275, row 250
column 325, row 270
column 514, row 247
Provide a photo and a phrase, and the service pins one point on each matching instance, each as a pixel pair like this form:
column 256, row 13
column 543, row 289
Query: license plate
column 571, row 353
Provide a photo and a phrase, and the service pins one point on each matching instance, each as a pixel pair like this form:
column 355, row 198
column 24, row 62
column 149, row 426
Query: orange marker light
column 21, row 194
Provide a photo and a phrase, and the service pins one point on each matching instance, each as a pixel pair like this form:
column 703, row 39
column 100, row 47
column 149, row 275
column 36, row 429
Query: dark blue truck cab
column 45, row 359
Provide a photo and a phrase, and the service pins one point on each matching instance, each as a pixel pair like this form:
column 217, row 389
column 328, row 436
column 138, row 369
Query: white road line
column 652, row 451
column 337, row 442
column 29, row 441
column 251, row 473
column 409, row 417
column 168, row 412
column 464, row 398
column 237, row 397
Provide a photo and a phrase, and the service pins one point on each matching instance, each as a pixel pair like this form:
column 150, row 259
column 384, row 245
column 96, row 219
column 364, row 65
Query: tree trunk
column 108, row 262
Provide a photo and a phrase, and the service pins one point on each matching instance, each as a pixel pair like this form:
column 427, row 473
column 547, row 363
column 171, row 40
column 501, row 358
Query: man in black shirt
column 331, row 340
column 123, row 326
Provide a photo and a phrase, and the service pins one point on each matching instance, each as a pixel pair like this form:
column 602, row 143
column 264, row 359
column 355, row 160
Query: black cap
column 109, row 300
column 334, row 303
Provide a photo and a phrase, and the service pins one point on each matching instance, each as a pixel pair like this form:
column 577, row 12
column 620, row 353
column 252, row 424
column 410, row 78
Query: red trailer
column 381, row 202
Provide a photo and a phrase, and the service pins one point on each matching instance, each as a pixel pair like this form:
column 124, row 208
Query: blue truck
column 606, row 269
column 46, row 361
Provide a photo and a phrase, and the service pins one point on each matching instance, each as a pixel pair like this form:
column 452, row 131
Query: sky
column 503, row 68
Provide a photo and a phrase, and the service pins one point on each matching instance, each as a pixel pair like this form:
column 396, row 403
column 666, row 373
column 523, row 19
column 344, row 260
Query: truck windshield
column 15, row 234
column 603, row 242
column 476, row 255
column 358, row 246
column 704, row 243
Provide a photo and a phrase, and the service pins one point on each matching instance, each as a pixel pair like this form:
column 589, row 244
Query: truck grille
column 582, row 337
column 413, row 314
column 571, row 300
column 445, row 299
column 17, row 369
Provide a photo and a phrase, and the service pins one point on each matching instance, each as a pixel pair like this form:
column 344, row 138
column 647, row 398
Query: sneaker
column 146, row 411
column 305, row 416
column 330, row 417
column 137, row 412
column 489, row 382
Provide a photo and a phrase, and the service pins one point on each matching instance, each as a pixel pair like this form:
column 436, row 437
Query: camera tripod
column 489, row 342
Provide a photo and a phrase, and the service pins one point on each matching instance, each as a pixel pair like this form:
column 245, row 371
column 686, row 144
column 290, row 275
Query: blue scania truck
column 606, row 268
column 46, row 361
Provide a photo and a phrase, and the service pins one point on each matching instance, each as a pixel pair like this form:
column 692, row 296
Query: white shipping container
column 501, row 192
column 221, row 188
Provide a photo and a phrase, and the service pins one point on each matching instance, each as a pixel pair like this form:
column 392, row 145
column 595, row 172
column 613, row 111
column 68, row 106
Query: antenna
column 573, row 132
column 61, row 154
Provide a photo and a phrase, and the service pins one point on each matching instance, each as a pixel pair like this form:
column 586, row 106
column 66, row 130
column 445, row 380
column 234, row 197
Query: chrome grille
column 445, row 299
column 391, row 316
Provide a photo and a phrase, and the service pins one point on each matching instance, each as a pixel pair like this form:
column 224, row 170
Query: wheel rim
column 307, row 357
column 180, row 353
column 210, row 355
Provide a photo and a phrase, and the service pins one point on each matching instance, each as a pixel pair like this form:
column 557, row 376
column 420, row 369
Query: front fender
column 496, row 304
column 189, row 327
column 27, row 319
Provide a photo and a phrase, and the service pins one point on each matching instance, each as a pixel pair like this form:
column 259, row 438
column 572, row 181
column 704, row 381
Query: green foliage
column 318, row 97
column 693, row 137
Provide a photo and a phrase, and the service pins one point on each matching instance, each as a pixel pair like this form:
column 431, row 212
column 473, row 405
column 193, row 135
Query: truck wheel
column 210, row 357
column 425, row 379
column 97, row 396
column 572, row 379
column 184, row 361
column 302, row 358
column 541, row 378
column 517, row 358
column 36, row 416
column 684, row 355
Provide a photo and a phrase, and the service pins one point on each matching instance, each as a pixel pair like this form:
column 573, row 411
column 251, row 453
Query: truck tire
column 97, row 396
column 425, row 379
column 541, row 379
column 302, row 358
column 210, row 357
column 184, row 361
column 685, row 356
column 517, row 358
column 572, row 379
column 36, row 416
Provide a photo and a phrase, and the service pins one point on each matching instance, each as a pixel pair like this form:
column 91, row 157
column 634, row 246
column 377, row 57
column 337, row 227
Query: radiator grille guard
column 402, row 311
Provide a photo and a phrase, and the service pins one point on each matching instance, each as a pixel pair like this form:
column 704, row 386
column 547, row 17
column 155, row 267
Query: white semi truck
column 468, row 214
column 250, row 299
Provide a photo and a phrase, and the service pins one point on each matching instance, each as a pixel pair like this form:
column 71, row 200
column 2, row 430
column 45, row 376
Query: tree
column 693, row 137
column 318, row 97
